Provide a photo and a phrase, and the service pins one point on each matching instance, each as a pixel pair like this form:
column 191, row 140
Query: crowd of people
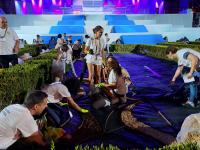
column 17, row 125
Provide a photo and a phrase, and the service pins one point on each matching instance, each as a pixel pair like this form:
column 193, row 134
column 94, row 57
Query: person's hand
column 172, row 82
column 18, row 135
column 189, row 75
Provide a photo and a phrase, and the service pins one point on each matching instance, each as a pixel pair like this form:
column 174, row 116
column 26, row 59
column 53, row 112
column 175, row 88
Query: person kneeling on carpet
column 115, row 89
column 60, row 92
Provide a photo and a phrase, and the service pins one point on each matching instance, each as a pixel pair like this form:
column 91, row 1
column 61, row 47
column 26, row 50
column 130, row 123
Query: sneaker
column 188, row 103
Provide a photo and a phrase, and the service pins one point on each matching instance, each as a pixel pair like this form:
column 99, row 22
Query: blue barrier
column 120, row 22
column 48, row 37
column 71, row 22
column 73, row 17
column 129, row 29
column 116, row 17
column 142, row 39
column 67, row 29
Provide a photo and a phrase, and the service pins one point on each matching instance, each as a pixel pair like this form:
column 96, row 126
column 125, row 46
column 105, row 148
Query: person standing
column 9, row 44
column 107, row 40
column 95, row 53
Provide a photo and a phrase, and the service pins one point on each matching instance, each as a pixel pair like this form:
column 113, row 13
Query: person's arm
column 177, row 73
column 72, row 103
column 36, row 137
column 194, row 62
column 111, row 85
column 16, row 47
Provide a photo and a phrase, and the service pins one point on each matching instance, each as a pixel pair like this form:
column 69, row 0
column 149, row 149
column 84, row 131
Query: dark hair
column 106, row 34
column 171, row 49
column 53, row 38
column 87, row 36
column 34, row 97
column 59, row 35
column 57, row 73
column 115, row 65
column 97, row 28
column 64, row 48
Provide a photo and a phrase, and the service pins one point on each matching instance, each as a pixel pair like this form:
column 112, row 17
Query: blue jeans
column 191, row 89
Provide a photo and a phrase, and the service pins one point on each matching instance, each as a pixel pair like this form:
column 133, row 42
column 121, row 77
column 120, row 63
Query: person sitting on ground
column 116, row 87
column 17, row 125
column 187, row 59
column 60, row 92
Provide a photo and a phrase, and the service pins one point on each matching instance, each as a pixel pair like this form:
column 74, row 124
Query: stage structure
column 89, row 6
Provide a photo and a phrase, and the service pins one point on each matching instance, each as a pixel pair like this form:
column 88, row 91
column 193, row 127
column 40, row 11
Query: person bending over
column 59, row 92
column 17, row 125
column 188, row 59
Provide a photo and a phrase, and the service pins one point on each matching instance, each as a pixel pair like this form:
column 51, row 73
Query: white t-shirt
column 7, row 43
column 59, row 43
column 96, row 45
column 58, row 91
column 183, row 61
column 15, row 118
column 121, row 86
column 190, row 126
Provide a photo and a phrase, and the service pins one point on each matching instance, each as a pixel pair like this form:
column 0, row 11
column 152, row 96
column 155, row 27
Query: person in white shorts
column 95, row 49
column 17, row 122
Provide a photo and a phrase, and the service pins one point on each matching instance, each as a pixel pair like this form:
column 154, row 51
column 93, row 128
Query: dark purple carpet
column 151, row 80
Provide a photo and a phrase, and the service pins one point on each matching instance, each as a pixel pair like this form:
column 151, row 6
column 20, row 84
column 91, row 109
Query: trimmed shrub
column 180, row 45
column 23, row 78
column 100, row 147
column 182, row 146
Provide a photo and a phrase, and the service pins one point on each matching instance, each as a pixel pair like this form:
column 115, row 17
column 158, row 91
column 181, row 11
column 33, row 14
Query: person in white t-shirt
column 39, row 39
column 188, row 66
column 190, row 130
column 107, row 40
column 116, row 87
column 65, row 56
column 95, row 53
column 9, row 44
column 60, row 42
column 17, row 124
column 60, row 93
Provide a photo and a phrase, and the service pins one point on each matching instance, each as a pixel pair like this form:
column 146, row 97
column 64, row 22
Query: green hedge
column 157, row 51
column 21, row 78
column 175, row 146
column 192, row 45
column 32, row 49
